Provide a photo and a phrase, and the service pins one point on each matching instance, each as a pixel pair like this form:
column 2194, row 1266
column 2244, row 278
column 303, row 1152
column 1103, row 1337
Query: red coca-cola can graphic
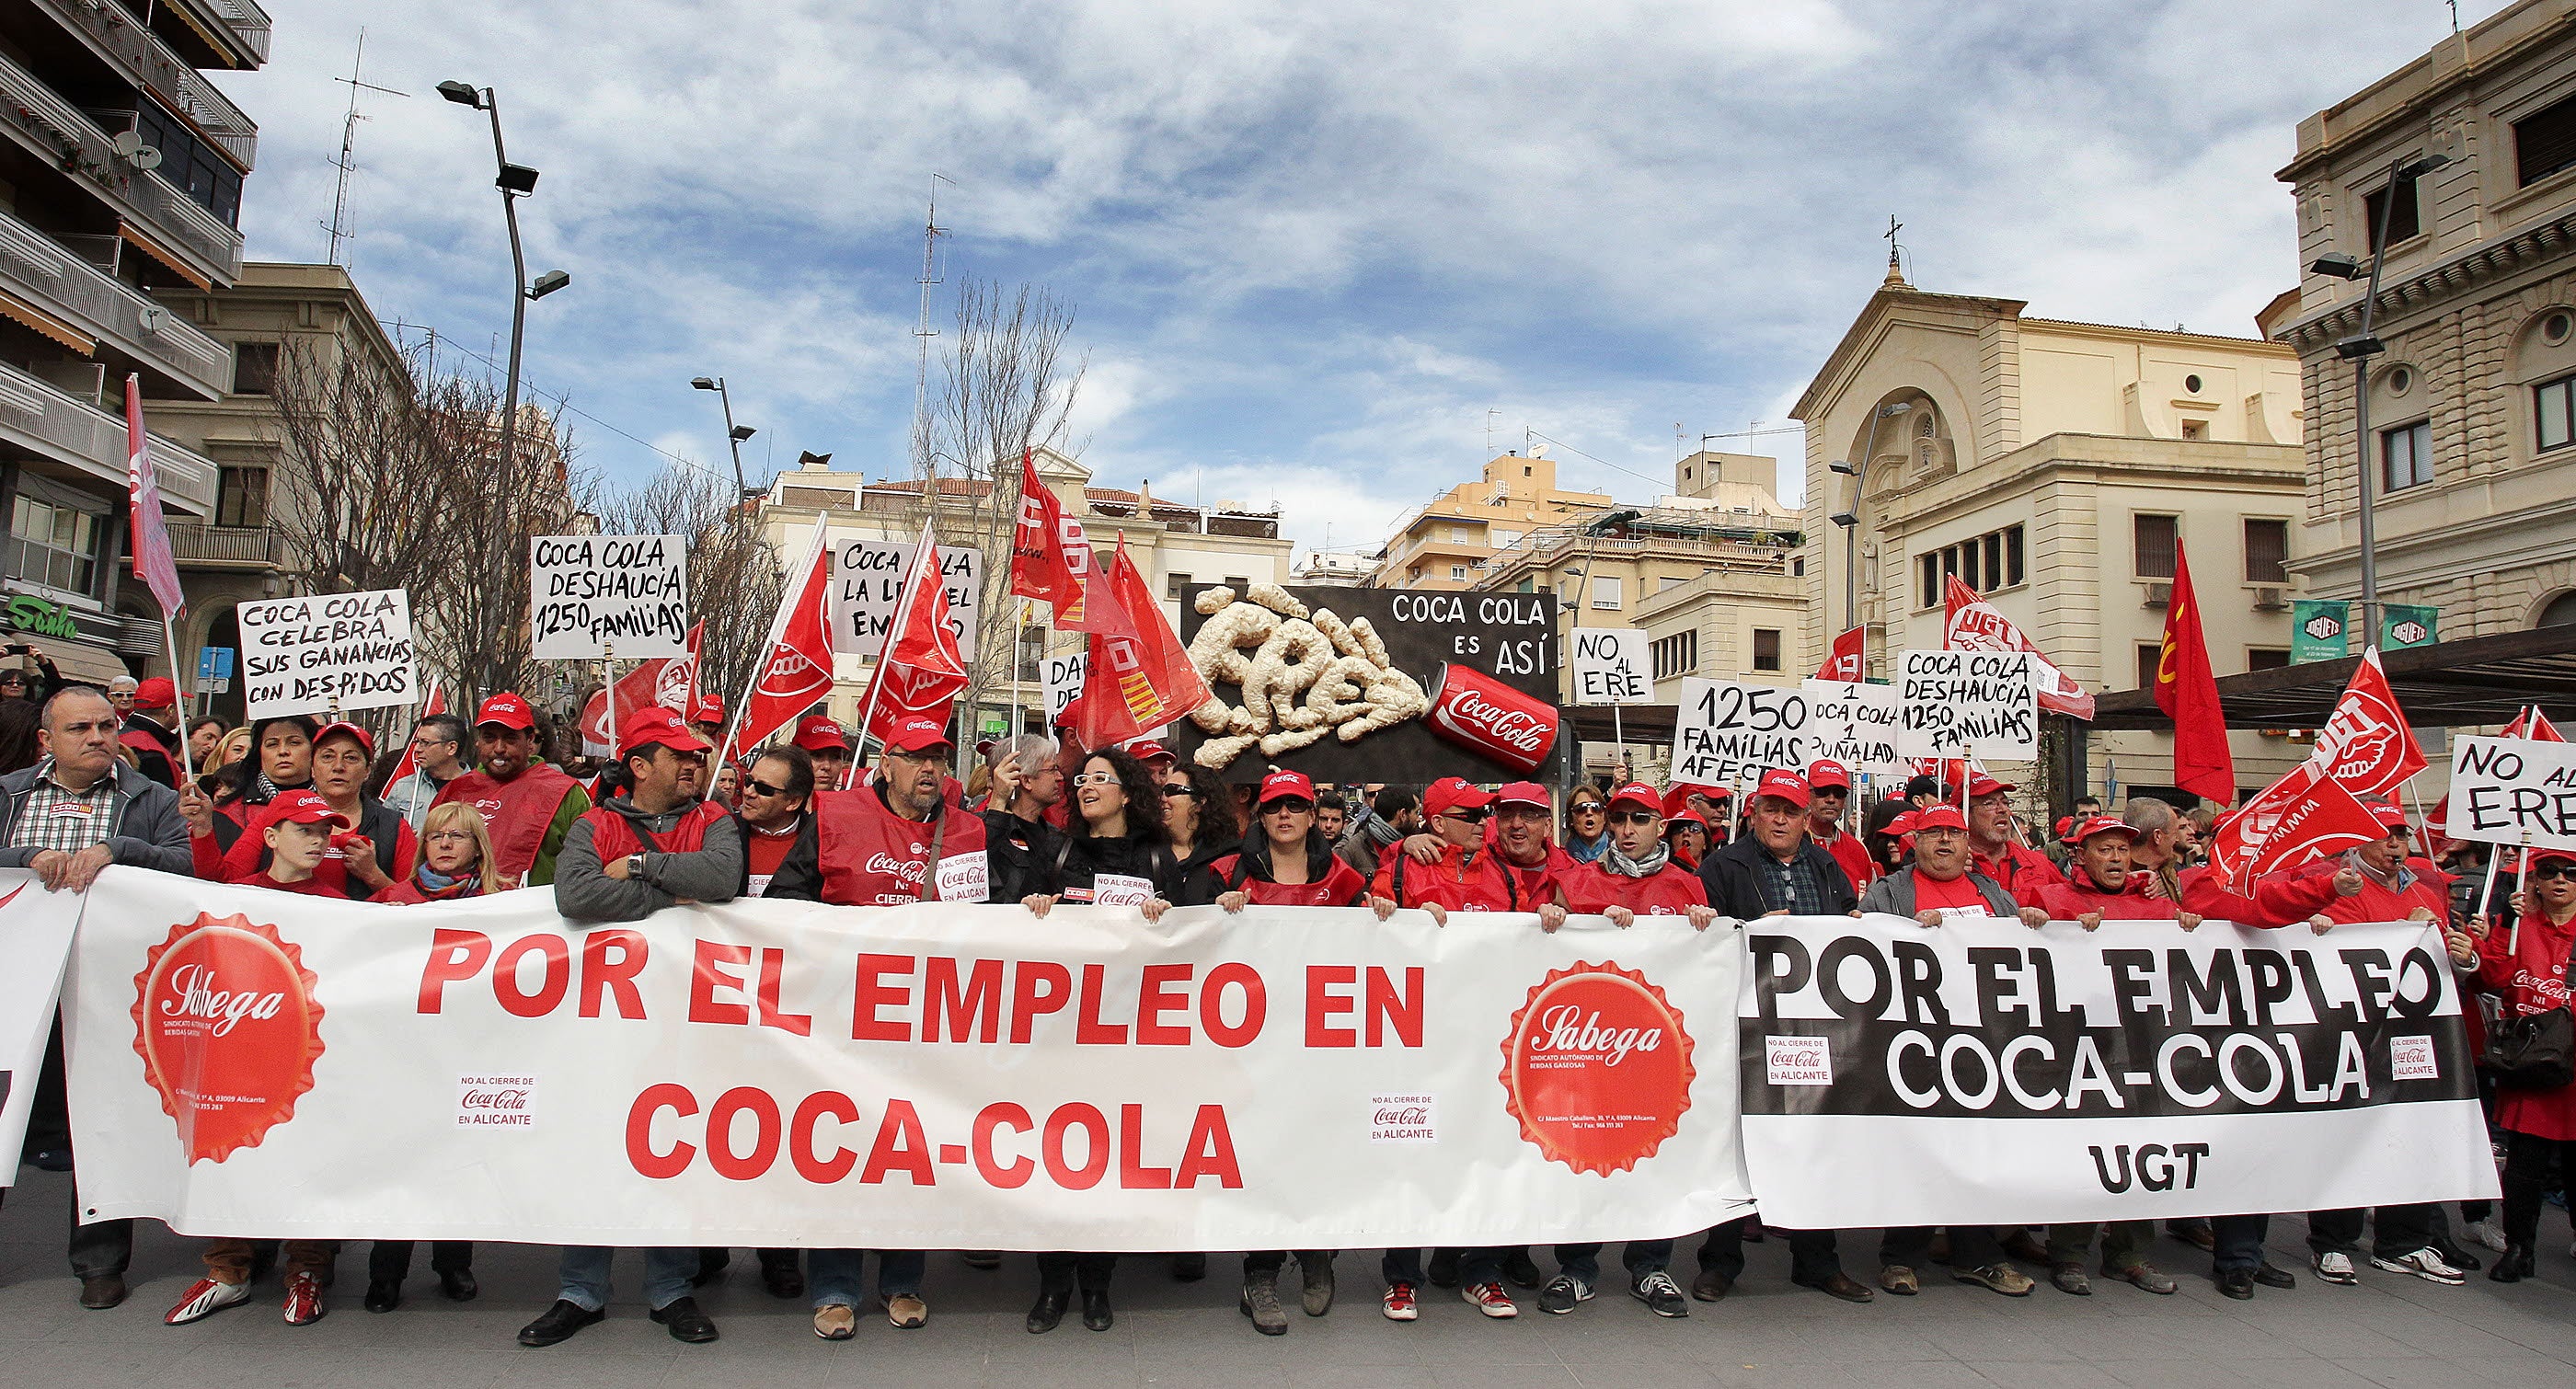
column 1475, row 710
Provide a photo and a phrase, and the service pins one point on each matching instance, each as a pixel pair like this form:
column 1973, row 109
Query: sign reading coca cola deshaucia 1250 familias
column 1486, row 664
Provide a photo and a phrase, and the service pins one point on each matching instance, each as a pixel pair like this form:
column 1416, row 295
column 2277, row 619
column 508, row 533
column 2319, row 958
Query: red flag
column 1845, row 662
column 2299, row 818
column 1049, row 558
column 1973, row 624
column 665, row 680
column 2366, row 746
column 2188, row 693
column 1135, row 682
column 920, row 671
column 798, row 669
column 409, row 764
column 2532, row 724
column 153, row 562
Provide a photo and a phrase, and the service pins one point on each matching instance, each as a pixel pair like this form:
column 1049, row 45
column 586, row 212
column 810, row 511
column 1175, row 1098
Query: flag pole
column 170, row 640
column 925, row 548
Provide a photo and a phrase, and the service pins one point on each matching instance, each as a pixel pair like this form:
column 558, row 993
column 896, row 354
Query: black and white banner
column 1985, row 1073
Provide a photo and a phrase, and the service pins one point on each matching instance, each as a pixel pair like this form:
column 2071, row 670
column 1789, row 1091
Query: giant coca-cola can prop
column 1474, row 710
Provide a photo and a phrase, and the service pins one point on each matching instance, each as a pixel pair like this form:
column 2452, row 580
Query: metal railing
column 243, row 19
column 192, row 543
column 93, row 439
column 150, row 63
column 82, row 149
column 66, row 284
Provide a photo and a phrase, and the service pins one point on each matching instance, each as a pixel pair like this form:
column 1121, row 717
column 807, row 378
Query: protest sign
column 1977, row 703
column 35, row 939
column 1855, row 724
column 868, row 577
column 779, row 1074
column 334, row 651
column 1725, row 733
column 2513, row 791
column 1065, row 673
column 1985, row 1074
column 1609, row 666
column 594, row 596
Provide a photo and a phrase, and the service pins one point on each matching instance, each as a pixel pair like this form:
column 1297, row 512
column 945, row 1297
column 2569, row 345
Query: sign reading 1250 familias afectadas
column 592, row 596
column 329, row 651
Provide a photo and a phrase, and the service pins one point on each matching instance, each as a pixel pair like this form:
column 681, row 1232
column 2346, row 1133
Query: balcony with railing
column 241, row 24
column 147, row 61
column 31, row 111
column 253, row 547
column 64, row 284
column 41, row 419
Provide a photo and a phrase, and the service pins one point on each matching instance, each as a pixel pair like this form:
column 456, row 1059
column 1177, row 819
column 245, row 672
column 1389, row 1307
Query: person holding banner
column 1992, row 839
column 1830, row 786
column 772, row 816
column 381, row 851
column 895, row 840
column 1198, row 812
column 528, row 806
column 1028, row 785
column 2527, row 967
column 1464, row 875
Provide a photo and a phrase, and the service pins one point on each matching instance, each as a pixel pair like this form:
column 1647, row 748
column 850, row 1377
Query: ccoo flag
column 2188, row 693
column 153, row 562
column 796, row 670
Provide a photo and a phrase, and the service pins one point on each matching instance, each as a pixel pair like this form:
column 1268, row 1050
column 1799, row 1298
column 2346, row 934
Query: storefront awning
column 2451, row 684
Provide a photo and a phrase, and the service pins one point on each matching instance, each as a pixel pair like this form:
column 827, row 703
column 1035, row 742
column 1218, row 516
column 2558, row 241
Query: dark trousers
column 1475, row 1266
column 1640, row 1257
column 1811, row 1252
column 1971, row 1246
column 1059, row 1271
column 389, row 1260
column 2396, row 1232
column 100, row 1247
column 1272, row 1260
column 2531, row 1169
column 2240, row 1241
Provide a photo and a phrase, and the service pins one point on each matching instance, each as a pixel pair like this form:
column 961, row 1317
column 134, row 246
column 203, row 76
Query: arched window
column 2561, row 611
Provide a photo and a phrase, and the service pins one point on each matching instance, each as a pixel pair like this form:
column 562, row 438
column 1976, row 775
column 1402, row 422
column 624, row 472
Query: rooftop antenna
column 347, row 163
column 922, row 332
column 1489, row 431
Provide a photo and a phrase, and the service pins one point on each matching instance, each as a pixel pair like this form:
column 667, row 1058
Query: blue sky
column 1310, row 244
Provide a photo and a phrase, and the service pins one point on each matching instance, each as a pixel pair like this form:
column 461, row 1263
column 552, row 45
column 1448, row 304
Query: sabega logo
column 227, row 1025
column 195, row 995
column 1597, row 1068
column 1570, row 1029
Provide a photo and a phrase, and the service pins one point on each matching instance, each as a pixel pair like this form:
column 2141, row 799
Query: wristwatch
column 635, row 867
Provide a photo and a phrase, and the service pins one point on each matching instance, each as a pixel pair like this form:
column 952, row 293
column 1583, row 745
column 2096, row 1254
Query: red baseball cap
column 1788, row 786
column 1685, row 816
column 912, row 735
column 1522, row 793
column 1284, row 785
column 2101, row 824
column 1944, row 816
column 706, row 708
column 1901, row 825
column 1981, row 785
column 2553, row 856
column 2389, row 817
column 1451, row 793
column 817, row 733
column 155, row 693
column 304, row 808
column 366, row 741
column 659, row 725
column 2065, row 824
column 1638, row 793
column 1828, row 773
column 507, row 710
column 1147, row 750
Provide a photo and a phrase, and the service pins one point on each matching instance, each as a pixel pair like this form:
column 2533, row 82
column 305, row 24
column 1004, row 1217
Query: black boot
column 384, row 1294
column 1189, row 1268
column 1095, row 1309
column 1049, row 1310
column 2513, row 1265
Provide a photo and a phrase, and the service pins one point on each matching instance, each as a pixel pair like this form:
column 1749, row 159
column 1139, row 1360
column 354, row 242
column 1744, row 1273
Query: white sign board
column 1609, row 666
column 1967, row 703
column 340, row 650
column 594, row 596
column 868, row 577
column 1725, row 733
column 1855, row 724
column 2513, row 791
column 1064, row 677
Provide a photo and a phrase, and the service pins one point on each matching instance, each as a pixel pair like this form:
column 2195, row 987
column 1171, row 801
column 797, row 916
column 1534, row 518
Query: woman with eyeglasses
column 774, row 797
column 1198, row 813
column 1587, row 823
column 2527, row 966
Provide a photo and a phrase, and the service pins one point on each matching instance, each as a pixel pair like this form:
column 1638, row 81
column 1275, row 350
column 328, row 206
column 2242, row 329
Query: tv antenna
column 922, row 332
column 347, row 163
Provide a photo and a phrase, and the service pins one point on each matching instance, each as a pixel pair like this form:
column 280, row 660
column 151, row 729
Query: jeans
column 1475, row 1266
column 584, row 1273
column 2396, row 1232
column 1640, row 1257
column 1811, row 1253
column 390, row 1260
column 2240, row 1241
column 2124, row 1242
column 1059, row 1271
column 1272, row 1260
column 1972, row 1246
column 2527, row 1182
column 838, row 1276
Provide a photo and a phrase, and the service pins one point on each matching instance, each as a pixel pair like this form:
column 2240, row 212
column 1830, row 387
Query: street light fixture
column 1844, row 519
column 1859, row 474
column 515, row 182
column 2358, row 349
column 734, row 433
column 548, row 283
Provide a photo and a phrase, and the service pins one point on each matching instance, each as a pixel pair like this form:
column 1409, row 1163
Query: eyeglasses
column 451, row 837
column 1096, row 779
column 1635, row 817
column 1179, row 788
column 754, row 786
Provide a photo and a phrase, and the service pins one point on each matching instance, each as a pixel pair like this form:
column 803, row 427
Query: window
column 1675, row 655
column 1931, row 591
column 1174, row 583
column 2544, row 142
column 1605, row 593
column 1504, row 540
column 2195, row 429
column 2266, row 657
column 1989, row 562
column 1237, row 582
column 55, row 545
column 254, row 368
column 2406, row 456
column 2404, row 220
column 241, row 497
column 189, row 165
column 2553, row 403
column 1798, row 567
column 1766, row 648
column 2267, row 551
column 1458, row 572
column 2155, row 546
column 1669, row 582
column 2150, row 656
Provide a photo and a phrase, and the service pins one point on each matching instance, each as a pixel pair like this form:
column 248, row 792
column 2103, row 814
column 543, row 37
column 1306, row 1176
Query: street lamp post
column 2359, row 349
column 734, row 433
column 515, row 182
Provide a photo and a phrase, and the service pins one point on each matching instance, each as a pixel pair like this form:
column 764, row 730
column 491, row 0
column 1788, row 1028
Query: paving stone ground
column 2389, row 1331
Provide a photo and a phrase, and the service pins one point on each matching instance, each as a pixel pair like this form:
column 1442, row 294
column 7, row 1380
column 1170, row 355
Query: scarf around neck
column 1627, row 867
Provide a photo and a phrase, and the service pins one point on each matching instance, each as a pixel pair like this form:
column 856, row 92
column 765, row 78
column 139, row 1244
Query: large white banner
column 1983, row 1073
column 939, row 1077
column 336, row 651
column 35, row 938
column 2513, row 791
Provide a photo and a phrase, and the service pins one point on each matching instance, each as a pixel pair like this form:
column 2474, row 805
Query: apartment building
column 1443, row 543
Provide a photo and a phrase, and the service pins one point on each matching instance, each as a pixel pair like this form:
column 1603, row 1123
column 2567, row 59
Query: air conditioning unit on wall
column 2271, row 600
column 2159, row 594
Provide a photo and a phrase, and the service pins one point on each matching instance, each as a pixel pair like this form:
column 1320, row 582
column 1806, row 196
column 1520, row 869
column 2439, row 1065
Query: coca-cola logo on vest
column 1597, row 1068
column 227, row 1025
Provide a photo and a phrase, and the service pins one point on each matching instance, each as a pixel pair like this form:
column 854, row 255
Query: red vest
column 1342, row 887
column 1671, row 891
column 2078, row 894
column 1485, row 887
column 1851, row 854
column 2018, row 867
column 871, row 857
column 517, row 812
column 614, row 837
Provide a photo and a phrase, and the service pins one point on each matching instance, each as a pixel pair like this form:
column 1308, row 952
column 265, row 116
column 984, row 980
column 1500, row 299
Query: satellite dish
column 147, row 158
column 126, row 143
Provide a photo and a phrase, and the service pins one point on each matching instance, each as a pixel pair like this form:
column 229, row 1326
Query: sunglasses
column 1635, row 817
column 754, row 786
column 2544, row 872
column 1587, row 808
column 1471, row 817
column 1292, row 804
column 1178, row 789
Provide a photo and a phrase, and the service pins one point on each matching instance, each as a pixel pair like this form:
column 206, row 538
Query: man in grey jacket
column 64, row 819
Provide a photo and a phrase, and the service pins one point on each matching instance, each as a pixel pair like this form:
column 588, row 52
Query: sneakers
column 1398, row 1303
column 907, row 1311
column 204, row 1298
column 1998, row 1278
column 1563, row 1294
column 2069, row 1278
column 303, row 1299
column 1316, row 1296
column 2488, row 1233
column 1490, row 1299
column 2142, row 1276
column 2424, row 1264
column 2336, row 1269
column 834, row 1321
column 1661, row 1294
column 1260, row 1302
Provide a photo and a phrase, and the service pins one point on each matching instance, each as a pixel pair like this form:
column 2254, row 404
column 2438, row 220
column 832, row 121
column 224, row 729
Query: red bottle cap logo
column 228, row 1029
column 1597, row 1068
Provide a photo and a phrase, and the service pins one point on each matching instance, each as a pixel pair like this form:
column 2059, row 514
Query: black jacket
column 1735, row 889
column 1077, row 861
column 801, row 848
column 1200, row 886
column 1019, row 855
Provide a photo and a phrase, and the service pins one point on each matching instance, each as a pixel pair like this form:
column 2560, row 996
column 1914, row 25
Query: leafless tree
column 734, row 576
column 1005, row 387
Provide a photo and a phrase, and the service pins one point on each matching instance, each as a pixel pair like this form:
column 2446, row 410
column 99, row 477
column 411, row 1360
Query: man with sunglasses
column 896, row 840
column 1465, row 875
column 657, row 845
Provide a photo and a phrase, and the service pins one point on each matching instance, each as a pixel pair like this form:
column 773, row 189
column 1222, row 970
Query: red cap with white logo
column 506, row 710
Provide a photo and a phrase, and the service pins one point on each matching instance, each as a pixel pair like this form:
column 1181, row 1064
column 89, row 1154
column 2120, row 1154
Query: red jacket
column 2280, row 899
column 1671, row 890
column 1453, row 882
column 869, row 856
column 2017, row 866
column 2070, row 898
column 2528, row 970
column 2373, row 902
column 1342, row 886
column 1850, row 853
column 248, row 856
column 407, row 893
column 614, row 836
